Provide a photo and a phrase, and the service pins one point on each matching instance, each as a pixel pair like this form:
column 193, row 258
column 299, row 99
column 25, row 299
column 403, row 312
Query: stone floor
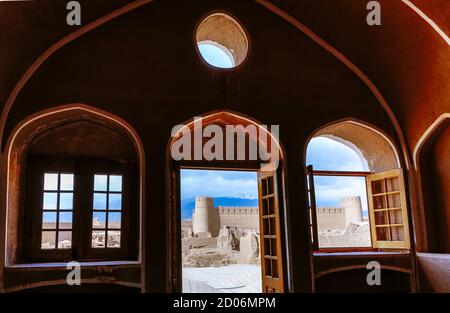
column 236, row 278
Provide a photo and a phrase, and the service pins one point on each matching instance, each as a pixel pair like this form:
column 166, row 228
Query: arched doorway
column 231, row 142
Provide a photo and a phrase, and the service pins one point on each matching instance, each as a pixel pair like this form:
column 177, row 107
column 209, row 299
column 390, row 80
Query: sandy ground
column 234, row 278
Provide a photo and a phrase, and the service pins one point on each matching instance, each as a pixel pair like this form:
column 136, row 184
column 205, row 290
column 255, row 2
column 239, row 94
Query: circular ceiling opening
column 221, row 41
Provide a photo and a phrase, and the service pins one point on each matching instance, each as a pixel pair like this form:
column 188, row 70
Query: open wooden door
column 271, row 258
column 312, row 208
column 388, row 211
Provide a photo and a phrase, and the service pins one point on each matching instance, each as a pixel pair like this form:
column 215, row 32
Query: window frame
column 368, row 176
column 83, row 169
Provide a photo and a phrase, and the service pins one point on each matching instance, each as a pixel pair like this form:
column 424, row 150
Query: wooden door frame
column 174, row 203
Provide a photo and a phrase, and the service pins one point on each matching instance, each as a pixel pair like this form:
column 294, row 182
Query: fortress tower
column 353, row 209
column 205, row 217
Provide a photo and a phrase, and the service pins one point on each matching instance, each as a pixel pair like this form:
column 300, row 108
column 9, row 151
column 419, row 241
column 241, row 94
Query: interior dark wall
column 143, row 67
column 435, row 170
column 355, row 281
column 413, row 81
column 89, row 288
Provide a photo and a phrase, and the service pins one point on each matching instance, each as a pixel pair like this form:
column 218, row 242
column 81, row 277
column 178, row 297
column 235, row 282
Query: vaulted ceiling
column 406, row 58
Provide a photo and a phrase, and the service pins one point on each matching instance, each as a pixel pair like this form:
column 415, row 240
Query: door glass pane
column 99, row 201
column 50, row 200
column 65, row 220
column 64, row 240
column 114, row 220
column 48, row 240
column 100, row 182
column 49, row 220
column 66, row 182
column 113, row 239
column 98, row 239
column 99, row 220
column 66, row 201
column 50, row 181
column 115, row 183
column 115, row 201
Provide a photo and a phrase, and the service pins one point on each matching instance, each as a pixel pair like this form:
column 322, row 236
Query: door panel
column 271, row 259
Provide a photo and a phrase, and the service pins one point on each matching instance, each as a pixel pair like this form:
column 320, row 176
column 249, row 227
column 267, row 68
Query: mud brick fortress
column 206, row 218
column 340, row 217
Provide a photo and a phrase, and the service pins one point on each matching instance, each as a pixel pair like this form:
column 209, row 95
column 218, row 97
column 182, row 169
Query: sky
column 215, row 56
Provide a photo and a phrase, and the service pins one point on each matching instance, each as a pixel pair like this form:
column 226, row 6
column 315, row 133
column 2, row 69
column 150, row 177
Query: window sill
column 360, row 253
column 59, row 265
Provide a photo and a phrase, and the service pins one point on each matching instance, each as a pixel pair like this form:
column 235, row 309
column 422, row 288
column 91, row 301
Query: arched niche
column 375, row 149
column 433, row 162
column 75, row 130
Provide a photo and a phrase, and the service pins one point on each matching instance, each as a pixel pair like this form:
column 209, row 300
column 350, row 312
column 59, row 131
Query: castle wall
column 330, row 218
column 207, row 218
column 339, row 218
column 241, row 217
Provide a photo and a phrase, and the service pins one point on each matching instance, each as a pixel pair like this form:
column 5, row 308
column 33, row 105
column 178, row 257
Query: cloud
column 331, row 189
column 328, row 154
column 212, row 183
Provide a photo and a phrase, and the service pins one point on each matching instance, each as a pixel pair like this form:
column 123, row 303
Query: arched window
column 77, row 192
column 356, row 190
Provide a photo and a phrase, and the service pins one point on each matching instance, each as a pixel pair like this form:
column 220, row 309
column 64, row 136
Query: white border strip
column 428, row 20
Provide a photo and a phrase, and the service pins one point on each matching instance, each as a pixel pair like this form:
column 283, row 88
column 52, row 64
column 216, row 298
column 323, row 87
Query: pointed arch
column 371, row 129
column 40, row 122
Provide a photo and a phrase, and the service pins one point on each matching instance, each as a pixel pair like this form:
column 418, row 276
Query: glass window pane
column 64, row 240
column 66, row 182
column 66, row 201
column 48, row 240
column 50, row 200
column 100, row 182
column 49, row 220
column 99, row 220
column 99, row 201
column 115, row 183
column 50, row 181
column 113, row 239
column 65, row 220
column 115, row 201
column 342, row 212
column 114, row 220
column 98, row 239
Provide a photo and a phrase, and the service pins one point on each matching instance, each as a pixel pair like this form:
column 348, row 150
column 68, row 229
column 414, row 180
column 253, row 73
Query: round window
column 221, row 41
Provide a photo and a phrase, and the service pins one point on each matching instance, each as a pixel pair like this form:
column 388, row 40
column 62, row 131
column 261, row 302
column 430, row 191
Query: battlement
column 330, row 210
column 228, row 210
column 351, row 198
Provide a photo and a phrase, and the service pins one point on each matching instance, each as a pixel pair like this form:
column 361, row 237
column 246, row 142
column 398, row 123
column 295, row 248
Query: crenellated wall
column 206, row 218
